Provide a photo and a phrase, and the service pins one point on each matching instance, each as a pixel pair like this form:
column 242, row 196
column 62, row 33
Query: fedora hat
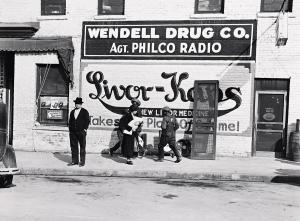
column 78, row 100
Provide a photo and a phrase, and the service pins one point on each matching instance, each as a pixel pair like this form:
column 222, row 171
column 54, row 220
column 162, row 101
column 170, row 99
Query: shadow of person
column 287, row 161
column 287, row 176
column 116, row 158
column 65, row 157
column 114, row 140
column 279, row 153
column 8, row 186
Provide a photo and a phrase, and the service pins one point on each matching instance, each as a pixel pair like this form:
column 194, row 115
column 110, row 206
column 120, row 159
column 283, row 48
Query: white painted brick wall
column 25, row 96
column 283, row 61
column 271, row 62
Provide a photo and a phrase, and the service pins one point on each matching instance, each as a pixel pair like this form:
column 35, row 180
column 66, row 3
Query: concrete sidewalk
column 258, row 169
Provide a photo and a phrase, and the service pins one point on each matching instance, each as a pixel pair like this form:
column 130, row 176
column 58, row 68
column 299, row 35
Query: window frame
column 43, row 8
column 196, row 11
column 39, row 97
column 100, row 7
column 289, row 7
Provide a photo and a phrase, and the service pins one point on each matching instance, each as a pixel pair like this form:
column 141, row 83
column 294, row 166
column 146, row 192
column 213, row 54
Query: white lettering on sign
column 170, row 40
column 118, row 48
column 192, row 32
column 200, row 48
column 225, row 32
column 123, row 33
column 238, row 33
column 161, row 48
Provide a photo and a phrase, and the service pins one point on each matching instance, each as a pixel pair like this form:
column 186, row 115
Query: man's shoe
column 178, row 160
column 72, row 164
column 111, row 152
column 129, row 162
column 159, row 160
column 81, row 164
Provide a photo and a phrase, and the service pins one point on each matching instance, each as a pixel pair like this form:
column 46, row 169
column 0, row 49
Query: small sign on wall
column 55, row 114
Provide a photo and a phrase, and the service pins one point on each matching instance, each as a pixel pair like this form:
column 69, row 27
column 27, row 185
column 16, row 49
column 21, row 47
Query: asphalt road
column 97, row 198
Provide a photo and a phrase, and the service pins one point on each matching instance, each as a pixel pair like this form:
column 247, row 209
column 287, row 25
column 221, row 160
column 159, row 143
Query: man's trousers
column 75, row 138
column 164, row 140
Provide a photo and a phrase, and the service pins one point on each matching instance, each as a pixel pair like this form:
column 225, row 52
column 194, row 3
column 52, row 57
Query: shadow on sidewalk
column 288, row 162
column 65, row 157
column 287, row 176
column 115, row 158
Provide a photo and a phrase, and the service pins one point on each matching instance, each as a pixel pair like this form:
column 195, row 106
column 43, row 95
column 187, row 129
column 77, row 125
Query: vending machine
column 205, row 114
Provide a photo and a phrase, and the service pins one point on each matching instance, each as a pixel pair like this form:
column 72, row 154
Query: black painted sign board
column 184, row 40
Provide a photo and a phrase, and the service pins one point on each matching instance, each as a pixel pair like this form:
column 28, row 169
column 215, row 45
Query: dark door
column 205, row 119
column 3, row 124
column 270, row 121
column 6, row 96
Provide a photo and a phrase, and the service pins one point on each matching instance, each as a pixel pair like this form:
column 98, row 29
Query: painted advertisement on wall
column 185, row 40
column 108, row 88
column 158, row 62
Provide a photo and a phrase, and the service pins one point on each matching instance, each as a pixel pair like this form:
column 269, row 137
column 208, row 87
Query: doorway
column 270, row 117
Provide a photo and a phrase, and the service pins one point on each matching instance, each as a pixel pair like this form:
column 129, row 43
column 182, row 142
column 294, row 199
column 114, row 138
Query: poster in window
column 54, row 114
column 45, row 102
column 54, row 102
column 271, row 107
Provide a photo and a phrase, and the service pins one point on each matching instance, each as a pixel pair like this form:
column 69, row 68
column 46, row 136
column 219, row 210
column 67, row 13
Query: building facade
column 109, row 52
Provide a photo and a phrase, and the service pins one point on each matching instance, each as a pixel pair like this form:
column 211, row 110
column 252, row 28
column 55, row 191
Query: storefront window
column 53, row 7
column 209, row 6
column 111, row 7
column 52, row 95
column 276, row 5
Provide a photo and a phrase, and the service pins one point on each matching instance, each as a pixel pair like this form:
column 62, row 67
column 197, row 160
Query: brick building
column 109, row 51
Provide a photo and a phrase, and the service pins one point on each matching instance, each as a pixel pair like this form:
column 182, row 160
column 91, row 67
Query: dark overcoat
column 128, row 140
column 81, row 122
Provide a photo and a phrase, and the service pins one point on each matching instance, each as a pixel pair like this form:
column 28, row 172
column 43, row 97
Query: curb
column 157, row 174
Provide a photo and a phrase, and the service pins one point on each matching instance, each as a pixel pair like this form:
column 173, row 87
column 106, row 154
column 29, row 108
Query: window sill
column 273, row 15
column 52, row 128
column 208, row 15
column 110, row 17
column 52, row 17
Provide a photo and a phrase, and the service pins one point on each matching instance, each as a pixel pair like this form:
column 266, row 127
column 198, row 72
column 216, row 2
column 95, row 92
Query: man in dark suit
column 78, row 124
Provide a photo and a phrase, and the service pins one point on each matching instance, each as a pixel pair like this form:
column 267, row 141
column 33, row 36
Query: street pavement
column 82, row 198
column 257, row 169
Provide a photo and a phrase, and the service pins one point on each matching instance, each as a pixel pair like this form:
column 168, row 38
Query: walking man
column 169, row 126
column 78, row 124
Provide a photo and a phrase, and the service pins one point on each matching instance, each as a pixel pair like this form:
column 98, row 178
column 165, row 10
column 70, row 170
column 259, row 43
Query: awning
column 18, row 29
column 62, row 46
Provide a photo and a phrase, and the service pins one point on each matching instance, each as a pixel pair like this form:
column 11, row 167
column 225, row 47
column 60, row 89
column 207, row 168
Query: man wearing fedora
column 78, row 124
